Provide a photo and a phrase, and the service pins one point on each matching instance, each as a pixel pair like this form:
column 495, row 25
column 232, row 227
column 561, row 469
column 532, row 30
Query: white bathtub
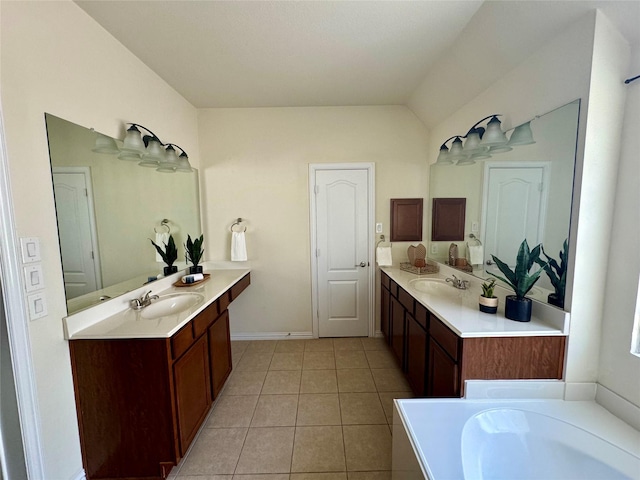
column 513, row 439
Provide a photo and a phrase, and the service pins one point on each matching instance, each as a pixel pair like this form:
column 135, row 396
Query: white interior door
column 342, row 253
column 515, row 206
column 76, row 227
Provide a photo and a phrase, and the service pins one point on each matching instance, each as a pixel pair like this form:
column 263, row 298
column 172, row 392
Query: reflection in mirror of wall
column 522, row 193
column 108, row 210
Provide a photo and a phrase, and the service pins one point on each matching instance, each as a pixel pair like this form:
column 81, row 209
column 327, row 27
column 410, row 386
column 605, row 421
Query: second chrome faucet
column 457, row 283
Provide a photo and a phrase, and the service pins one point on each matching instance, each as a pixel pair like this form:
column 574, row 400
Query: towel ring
column 473, row 237
column 382, row 240
column 237, row 222
column 164, row 223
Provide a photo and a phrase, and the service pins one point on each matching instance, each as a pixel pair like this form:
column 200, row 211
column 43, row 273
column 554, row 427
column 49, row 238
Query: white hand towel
column 161, row 240
column 383, row 256
column 476, row 254
column 238, row 247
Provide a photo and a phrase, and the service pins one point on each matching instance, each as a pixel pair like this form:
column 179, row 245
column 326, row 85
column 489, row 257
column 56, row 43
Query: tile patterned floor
column 301, row 410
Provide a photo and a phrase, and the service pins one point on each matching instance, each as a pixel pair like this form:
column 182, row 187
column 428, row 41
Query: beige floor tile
column 319, row 476
column 374, row 343
column 267, row 450
column 216, row 451
column 290, row 346
column 281, row 382
column 341, row 344
column 254, row 361
column 318, row 449
column 369, row 475
column 318, row 409
column 368, row 447
column 275, row 411
column 286, row 361
column 318, row 381
column 381, row 359
column 319, row 345
column 240, row 345
column 355, row 380
column 319, row 360
column 386, row 398
column 201, row 477
column 390, row 380
column 232, row 411
column 262, row 346
column 263, row 476
column 244, row 383
column 361, row 409
column 351, row 359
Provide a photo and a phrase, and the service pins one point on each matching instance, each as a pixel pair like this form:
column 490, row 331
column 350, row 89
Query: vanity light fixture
column 481, row 143
column 147, row 150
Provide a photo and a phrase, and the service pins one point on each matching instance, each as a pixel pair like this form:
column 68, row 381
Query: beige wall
column 56, row 59
column 255, row 166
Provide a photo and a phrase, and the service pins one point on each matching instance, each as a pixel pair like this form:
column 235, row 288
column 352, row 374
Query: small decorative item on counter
column 193, row 253
column 453, row 254
column 487, row 302
column 169, row 255
column 193, row 278
column 557, row 273
column 418, row 263
column 518, row 307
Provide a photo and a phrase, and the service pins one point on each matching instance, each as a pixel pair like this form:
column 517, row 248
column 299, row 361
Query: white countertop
column 459, row 311
column 128, row 323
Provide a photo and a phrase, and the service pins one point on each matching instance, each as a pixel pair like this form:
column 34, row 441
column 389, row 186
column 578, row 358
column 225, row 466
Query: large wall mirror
column 523, row 193
column 108, row 210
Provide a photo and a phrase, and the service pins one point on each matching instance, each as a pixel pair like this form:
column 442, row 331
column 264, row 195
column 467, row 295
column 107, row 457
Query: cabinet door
column 444, row 374
column 397, row 330
column 416, row 356
column 384, row 313
column 193, row 391
column 219, row 352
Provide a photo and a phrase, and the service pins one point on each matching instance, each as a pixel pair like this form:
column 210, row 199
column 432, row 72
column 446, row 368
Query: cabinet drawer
column 446, row 338
column 205, row 318
column 182, row 340
column 223, row 302
column 406, row 300
column 384, row 279
column 421, row 315
column 393, row 288
column 239, row 287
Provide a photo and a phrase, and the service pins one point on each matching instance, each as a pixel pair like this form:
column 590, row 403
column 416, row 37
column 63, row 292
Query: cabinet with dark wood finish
column 385, row 302
column 140, row 402
column 437, row 361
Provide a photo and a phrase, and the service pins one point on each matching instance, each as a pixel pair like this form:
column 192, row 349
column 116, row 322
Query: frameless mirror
column 523, row 193
column 108, row 210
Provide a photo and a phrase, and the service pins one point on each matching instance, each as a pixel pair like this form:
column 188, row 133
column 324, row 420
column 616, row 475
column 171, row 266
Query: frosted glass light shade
column 183, row 164
column 149, row 163
column 465, row 162
column 494, row 134
column 105, row 145
column 472, row 143
column 133, row 141
column 522, row 135
column 155, row 151
column 500, row 149
column 169, row 162
column 456, row 153
column 443, row 157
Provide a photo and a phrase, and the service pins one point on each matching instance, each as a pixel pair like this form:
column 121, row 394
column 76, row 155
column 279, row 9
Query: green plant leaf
column 507, row 272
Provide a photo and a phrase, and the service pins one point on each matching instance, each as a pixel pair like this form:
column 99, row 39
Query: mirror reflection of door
column 515, row 205
column 77, row 229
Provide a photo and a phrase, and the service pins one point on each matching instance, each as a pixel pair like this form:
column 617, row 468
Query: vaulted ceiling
column 337, row 53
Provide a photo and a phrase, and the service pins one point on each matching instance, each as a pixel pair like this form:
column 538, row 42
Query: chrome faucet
column 457, row 283
column 143, row 301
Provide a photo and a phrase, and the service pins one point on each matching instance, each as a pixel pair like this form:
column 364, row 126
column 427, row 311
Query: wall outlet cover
column 33, row 278
column 434, row 248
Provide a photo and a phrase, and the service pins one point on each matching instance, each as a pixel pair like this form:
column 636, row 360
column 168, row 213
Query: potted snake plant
column 518, row 307
column 193, row 253
column 169, row 255
column 557, row 273
column 487, row 302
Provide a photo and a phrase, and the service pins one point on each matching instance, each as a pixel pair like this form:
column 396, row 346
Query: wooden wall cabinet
column 406, row 219
column 140, row 402
column 437, row 361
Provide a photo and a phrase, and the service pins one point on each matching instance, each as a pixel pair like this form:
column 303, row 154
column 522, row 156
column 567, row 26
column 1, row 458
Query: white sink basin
column 171, row 304
column 434, row 286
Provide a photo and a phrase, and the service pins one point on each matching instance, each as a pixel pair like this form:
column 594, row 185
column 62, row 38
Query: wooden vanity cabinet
column 140, row 402
column 436, row 361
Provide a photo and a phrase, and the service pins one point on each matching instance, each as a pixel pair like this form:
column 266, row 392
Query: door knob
column 489, row 262
column 362, row 264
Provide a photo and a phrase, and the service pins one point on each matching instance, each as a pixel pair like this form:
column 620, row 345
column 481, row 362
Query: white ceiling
column 326, row 53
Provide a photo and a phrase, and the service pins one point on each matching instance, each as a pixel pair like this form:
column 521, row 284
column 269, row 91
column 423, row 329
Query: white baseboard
column 580, row 391
column 272, row 336
column 620, row 407
column 80, row 475
column 378, row 334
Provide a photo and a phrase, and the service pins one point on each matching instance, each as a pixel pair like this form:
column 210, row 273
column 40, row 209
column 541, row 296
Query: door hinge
column 317, row 252
column 86, row 193
column 92, row 257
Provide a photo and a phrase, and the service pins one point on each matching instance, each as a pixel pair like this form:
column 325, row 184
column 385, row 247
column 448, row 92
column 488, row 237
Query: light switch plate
column 33, row 279
column 37, row 305
column 30, row 249
column 378, row 228
column 434, row 248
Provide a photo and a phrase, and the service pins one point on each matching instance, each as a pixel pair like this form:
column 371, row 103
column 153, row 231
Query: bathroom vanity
column 440, row 339
column 143, row 386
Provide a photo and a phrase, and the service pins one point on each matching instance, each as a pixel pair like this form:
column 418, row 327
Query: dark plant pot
column 518, row 309
column 195, row 269
column 170, row 270
column 553, row 299
column 488, row 304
